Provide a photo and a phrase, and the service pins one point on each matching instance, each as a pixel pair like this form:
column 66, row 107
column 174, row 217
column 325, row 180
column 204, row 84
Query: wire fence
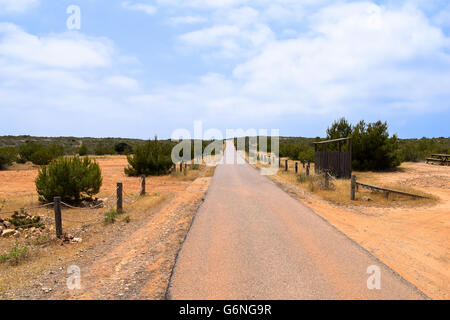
column 117, row 197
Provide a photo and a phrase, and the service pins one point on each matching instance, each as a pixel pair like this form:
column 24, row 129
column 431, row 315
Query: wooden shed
column 339, row 162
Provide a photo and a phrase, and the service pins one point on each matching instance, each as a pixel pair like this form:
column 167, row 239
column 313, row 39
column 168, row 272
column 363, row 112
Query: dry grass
column 339, row 191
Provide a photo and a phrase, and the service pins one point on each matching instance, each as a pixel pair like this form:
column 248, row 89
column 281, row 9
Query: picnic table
column 442, row 159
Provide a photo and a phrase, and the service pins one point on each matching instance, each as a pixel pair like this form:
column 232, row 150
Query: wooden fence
column 338, row 163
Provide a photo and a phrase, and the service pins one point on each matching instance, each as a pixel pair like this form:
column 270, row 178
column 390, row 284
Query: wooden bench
column 442, row 159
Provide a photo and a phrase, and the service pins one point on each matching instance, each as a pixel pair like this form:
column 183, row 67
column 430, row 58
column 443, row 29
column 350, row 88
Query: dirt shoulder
column 412, row 240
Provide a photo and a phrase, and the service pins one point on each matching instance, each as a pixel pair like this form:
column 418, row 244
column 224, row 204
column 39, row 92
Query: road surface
column 251, row 240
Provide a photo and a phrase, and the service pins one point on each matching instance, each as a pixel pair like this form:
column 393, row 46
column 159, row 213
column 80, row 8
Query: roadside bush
column 372, row 147
column 15, row 255
column 103, row 149
column 110, row 216
column 70, row 178
column 7, row 156
column 153, row 158
column 123, row 148
column 83, row 150
column 45, row 155
column 27, row 150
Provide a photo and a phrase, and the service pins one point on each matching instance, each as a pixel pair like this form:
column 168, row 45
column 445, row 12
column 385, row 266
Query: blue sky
column 140, row 68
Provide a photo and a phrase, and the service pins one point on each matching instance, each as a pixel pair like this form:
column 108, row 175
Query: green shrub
column 103, row 149
column 123, row 148
column 23, row 220
column 7, row 156
column 372, row 147
column 153, row 158
column 45, row 155
column 110, row 216
column 27, row 150
column 70, row 178
column 83, row 150
column 127, row 219
column 15, row 255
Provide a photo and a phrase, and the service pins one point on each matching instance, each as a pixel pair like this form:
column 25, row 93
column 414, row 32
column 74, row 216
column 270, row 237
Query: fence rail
column 386, row 191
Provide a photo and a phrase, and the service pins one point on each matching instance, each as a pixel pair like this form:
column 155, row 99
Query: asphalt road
column 251, row 240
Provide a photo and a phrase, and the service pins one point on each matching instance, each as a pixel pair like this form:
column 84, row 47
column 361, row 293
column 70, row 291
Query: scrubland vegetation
column 373, row 148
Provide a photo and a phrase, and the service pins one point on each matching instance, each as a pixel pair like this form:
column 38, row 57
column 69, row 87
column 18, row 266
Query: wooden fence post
column 287, row 165
column 279, row 162
column 303, row 163
column 353, row 188
column 181, row 166
column 296, row 167
column 58, row 220
column 119, row 206
column 143, row 185
column 307, row 171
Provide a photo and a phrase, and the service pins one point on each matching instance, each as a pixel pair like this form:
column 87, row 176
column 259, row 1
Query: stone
column 366, row 198
column 17, row 234
column 7, row 224
column 8, row 232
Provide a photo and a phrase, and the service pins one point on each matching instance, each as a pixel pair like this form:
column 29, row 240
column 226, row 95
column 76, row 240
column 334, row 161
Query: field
column 411, row 236
column 155, row 216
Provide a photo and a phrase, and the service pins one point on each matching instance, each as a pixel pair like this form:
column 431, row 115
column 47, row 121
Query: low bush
column 83, row 150
column 45, row 155
column 15, row 255
column 27, row 150
column 7, row 156
column 123, row 148
column 103, row 149
column 110, row 216
column 153, row 158
column 23, row 220
column 70, row 178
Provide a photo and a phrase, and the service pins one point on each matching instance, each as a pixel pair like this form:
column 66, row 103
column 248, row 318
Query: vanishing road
column 251, row 240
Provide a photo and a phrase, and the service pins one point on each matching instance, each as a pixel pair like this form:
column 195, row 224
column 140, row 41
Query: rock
column 78, row 240
column 17, row 234
column 1, row 228
column 366, row 199
column 46, row 290
column 7, row 224
column 8, row 232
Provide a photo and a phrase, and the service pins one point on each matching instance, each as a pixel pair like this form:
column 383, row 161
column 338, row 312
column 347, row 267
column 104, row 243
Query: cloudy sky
column 139, row 68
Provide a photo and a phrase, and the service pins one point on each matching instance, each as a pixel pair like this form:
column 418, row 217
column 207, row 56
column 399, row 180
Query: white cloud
column 122, row 82
column 73, row 77
column 146, row 8
column 229, row 41
column 17, row 6
column 67, row 50
column 354, row 58
column 188, row 19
